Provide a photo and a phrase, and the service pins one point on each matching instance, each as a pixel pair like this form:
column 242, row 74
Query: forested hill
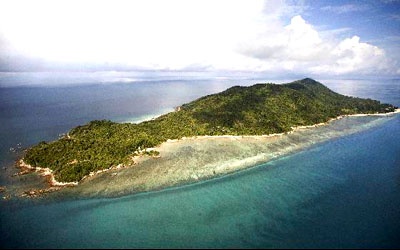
column 255, row 110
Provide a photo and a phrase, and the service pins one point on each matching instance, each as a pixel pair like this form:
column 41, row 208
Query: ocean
column 342, row 193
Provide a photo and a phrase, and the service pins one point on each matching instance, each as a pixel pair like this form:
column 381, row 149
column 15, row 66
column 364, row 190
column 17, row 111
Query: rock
column 23, row 172
column 7, row 197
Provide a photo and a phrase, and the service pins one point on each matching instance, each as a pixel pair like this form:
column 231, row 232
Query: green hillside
column 255, row 110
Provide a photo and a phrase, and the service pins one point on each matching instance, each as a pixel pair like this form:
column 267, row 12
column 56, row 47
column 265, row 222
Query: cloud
column 297, row 41
column 341, row 9
column 154, row 34
column 284, row 8
column 298, row 47
column 351, row 55
column 225, row 35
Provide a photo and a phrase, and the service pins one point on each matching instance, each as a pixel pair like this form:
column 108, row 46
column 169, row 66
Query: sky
column 274, row 37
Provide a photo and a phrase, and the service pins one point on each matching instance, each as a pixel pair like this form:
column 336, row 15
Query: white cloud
column 284, row 8
column 334, row 33
column 351, row 55
column 297, row 41
column 298, row 47
column 181, row 34
column 151, row 33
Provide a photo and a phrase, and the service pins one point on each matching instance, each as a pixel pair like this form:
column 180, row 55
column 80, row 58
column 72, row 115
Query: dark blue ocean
column 343, row 193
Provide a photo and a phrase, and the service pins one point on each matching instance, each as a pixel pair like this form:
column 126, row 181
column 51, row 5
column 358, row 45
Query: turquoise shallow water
column 342, row 193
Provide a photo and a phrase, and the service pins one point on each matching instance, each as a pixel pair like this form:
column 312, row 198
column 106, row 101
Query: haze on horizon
column 275, row 37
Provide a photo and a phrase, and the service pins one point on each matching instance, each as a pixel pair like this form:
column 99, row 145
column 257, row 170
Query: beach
column 189, row 160
column 192, row 159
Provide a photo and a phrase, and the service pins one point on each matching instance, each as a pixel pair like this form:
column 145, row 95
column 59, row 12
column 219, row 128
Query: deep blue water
column 344, row 193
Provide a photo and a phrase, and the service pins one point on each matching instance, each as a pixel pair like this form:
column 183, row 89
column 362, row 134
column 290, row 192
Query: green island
column 260, row 109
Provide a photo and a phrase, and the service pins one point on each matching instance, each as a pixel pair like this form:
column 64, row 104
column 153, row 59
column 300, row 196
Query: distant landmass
column 260, row 109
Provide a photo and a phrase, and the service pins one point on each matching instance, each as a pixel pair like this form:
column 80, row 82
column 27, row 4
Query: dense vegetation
column 255, row 110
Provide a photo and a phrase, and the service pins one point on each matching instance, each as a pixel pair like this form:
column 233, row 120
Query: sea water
column 343, row 193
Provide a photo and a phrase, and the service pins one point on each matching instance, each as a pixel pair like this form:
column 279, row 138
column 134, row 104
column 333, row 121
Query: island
column 258, row 110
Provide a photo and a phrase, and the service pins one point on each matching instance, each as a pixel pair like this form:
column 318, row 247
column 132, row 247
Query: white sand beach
column 192, row 159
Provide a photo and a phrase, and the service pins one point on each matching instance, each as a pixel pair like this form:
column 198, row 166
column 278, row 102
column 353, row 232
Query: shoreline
column 294, row 129
column 45, row 172
column 214, row 168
